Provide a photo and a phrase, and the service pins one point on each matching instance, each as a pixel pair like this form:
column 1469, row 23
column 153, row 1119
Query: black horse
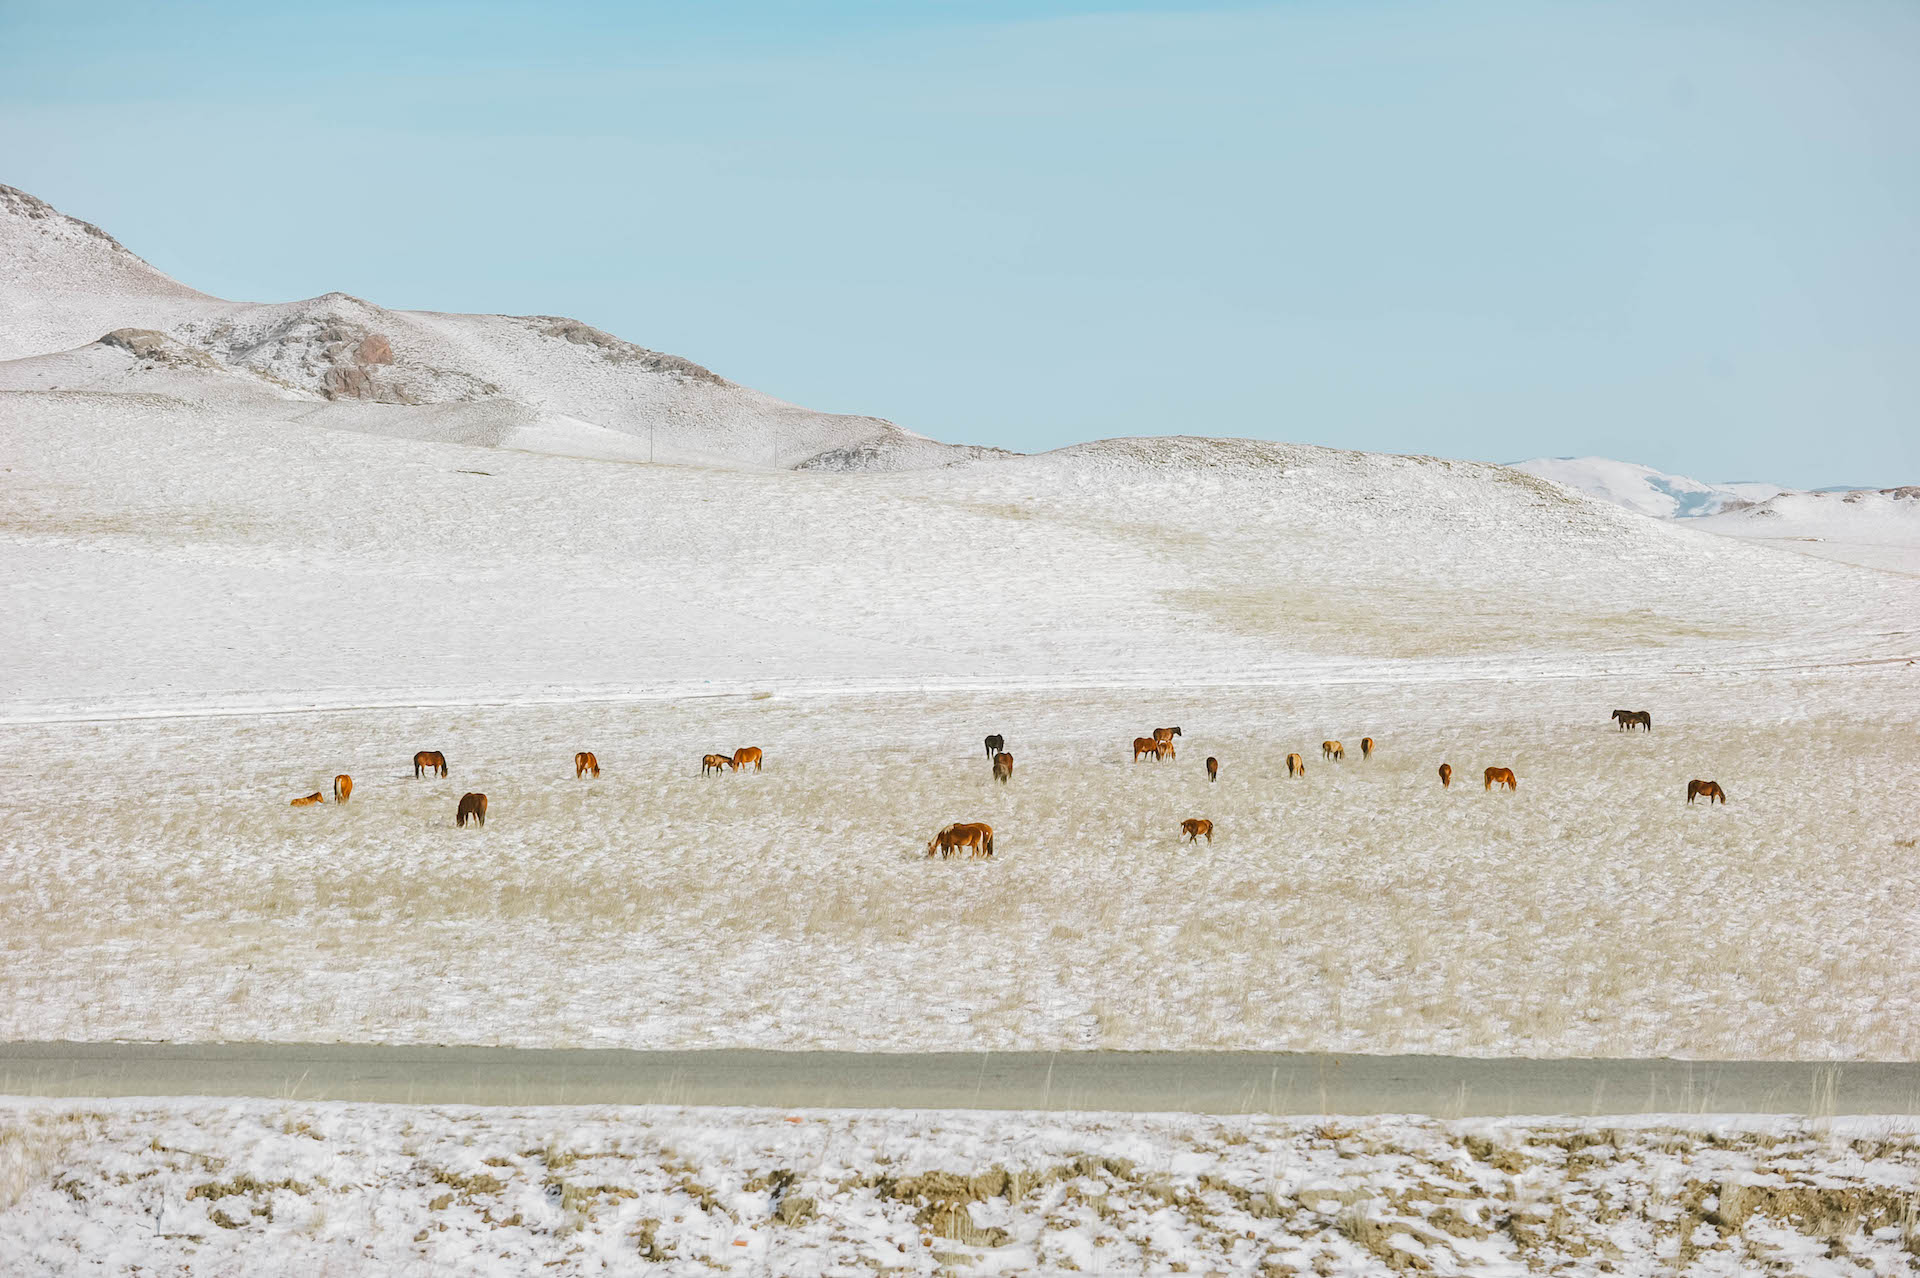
column 995, row 744
column 1634, row 718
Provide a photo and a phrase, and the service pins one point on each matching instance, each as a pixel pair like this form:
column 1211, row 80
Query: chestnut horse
column 962, row 834
column 1003, row 767
column 583, row 763
column 1213, row 768
column 1446, row 776
column 1165, row 734
column 995, row 744
column 1145, row 745
column 1695, row 789
column 1332, row 750
column 309, row 800
column 714, row 762
column 745, row 755
column 1366, row 747
column 1501, row 776
column 1633, row 718
column 1194, row 827
column 429, row 761
column 471, row 805
column 342, row 788
column 1296, row 766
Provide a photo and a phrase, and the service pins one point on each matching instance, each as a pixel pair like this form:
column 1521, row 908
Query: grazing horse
column 583, row 763
column 342, row 788
column 745, row 755
column 1366, row 747
column 1332, row 750
column 1003, row 767
column 1164, row 750
column 1145, row 745
column 1296, row 766
column 1501, row 776
column 1165, row 734
column 429, row 761
column 1446, row 776
column 1194, row 827
column 471, row 805
column 1213, row 768
column 309, row 800
column 995, row 744
column 961, row 834
column 1634, row 718
column 714, row 763
column 1695, row 789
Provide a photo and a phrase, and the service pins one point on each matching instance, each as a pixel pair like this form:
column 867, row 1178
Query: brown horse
column 1633, row 718
column 471, row 805
column 342, row 788
column 745, row 755
column 1194, row 827
column 1366, row 747
column 1213, row 768
column 1165, row 734
column 1710, row 790
column 1501, row 776
column 429, row 761
column 1446, row 776
column 1164, row 750
column 995, row 744
column 1296, row 766
column 1332, row 750
column 1003, row 767
column 974, row 835
column 309, row 800
column 1145, row 745
column 583, row 763
column 715, row 763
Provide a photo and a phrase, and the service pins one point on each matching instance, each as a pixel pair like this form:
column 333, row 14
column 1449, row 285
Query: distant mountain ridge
column 1646, row 490
column 541, row 383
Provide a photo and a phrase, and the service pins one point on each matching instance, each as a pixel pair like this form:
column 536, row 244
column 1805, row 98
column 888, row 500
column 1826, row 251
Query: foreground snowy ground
column 272, row 1187
column 157, row 885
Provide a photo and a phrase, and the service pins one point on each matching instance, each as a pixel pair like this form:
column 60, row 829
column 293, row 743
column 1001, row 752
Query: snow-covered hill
column 541, row 383
column 1644, row 489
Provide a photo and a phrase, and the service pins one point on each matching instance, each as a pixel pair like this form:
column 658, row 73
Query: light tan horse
column 342, row 788
column 1143, row 746
column 429, row 761
column 1194, row 827
column 1332, row 750
column 745, row 755
column 1003, row 767
column 715, row 763
column 1710, row 790
column 1366, row 747
column 583, row 763
column 309, row 800
column 1446, row 776
column 975, row 835
column 472, row 805
column 1501, row 776
column 1163, row 750
column 1296, row 766
column 1165, row 734
column 1213, row 768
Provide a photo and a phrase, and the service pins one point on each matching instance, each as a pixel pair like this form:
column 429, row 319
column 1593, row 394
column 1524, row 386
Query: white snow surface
column 1876, row 527
column 286, row 1187
column 1643, row 489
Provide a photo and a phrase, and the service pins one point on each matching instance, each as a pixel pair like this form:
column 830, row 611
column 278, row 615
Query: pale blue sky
column 1686, row 234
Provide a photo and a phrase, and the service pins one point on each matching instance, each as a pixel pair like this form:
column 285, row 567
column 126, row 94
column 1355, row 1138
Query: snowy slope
column 537, row 383
column 1642, row 488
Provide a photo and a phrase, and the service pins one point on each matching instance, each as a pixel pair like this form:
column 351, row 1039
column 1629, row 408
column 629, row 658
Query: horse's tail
column 989, row 842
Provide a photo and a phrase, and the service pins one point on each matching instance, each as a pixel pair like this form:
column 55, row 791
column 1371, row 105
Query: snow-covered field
column 157, row 885
column 275, row 1187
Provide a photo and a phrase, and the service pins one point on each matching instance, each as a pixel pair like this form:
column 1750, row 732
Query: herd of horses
column 975, row 838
